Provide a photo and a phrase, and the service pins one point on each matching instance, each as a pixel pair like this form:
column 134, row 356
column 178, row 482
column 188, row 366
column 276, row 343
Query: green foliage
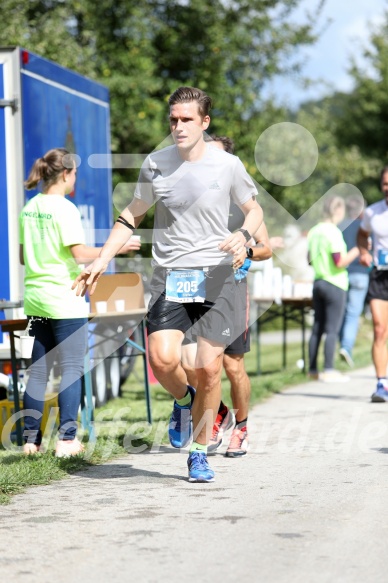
column 43, row 27
column 362, row 119
column 143, row 51
column 350, row 131
column 335, row 165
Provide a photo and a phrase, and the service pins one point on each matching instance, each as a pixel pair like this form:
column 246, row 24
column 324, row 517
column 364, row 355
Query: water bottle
column 21, row 385
column 22, row 382
column 10, row 388
column 242, row 272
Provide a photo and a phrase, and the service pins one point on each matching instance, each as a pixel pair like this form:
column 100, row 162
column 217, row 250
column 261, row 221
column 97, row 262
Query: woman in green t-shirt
column 52, row 246
column 329, row 259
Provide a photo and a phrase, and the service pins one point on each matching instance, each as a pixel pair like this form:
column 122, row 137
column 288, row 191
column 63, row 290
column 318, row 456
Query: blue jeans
column 66, row 342
column 358, row 287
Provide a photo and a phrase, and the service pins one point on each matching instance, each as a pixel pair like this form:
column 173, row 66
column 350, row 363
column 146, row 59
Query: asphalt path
column 308, row 503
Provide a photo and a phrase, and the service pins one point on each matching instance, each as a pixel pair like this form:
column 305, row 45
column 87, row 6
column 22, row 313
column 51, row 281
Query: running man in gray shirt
column 191, row 185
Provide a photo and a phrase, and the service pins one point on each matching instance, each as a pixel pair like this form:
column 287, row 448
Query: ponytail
column 49, row 168
column 37, row 173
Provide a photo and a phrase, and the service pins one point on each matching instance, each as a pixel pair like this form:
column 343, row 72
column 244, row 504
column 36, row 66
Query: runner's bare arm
column 117, row 239
column 85, row 254
column 253, row 219
column 366, row 258
column 261, row 249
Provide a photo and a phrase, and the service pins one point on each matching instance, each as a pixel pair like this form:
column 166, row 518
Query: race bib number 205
column 185, row 286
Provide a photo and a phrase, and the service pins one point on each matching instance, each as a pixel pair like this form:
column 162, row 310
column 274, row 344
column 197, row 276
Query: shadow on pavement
column 118, row 471
column 323, row 396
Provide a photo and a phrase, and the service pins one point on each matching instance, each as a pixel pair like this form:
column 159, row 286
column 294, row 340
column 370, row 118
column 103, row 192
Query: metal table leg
column 258, row 347
column 284, row 348
column 19, row 435
column 87, row 407
column 145, row 366
column 303, row 340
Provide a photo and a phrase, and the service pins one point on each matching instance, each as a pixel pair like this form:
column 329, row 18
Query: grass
column 120, row 425
column 18, row 471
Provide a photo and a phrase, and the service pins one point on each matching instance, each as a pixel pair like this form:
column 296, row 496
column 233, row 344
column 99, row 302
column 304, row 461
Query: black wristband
column 125, row 223
column 246, row 234
column 249, row 252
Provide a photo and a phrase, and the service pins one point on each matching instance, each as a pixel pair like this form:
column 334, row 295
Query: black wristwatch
column 246, row 234
column 249, row 252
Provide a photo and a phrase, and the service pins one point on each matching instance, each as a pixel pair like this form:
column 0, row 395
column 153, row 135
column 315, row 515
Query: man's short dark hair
column 227, row 143
column 189, row 94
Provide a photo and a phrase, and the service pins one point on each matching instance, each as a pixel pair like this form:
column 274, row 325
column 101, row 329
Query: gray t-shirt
column 192, row 201
column 375, row 221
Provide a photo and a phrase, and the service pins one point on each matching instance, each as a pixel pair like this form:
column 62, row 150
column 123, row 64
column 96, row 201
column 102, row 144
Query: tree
column 228, row 49
column 43, row 27
column 336, row 164
column 363, row 121
column 143, row 51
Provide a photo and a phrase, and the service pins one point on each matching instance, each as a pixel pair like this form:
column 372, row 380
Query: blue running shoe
column 199, row 469
column 180, row 427
column 381, row 394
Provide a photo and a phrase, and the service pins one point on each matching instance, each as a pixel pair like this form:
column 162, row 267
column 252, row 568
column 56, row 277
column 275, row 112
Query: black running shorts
column 378, row 285
column 212, row 319
column 242, row 343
